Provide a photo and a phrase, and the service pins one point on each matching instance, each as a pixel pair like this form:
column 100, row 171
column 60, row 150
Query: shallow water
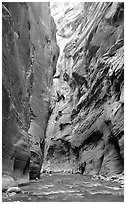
column 68, row 188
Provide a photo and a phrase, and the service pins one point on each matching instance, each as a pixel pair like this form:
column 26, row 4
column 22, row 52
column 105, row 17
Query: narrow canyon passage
column 63, row 101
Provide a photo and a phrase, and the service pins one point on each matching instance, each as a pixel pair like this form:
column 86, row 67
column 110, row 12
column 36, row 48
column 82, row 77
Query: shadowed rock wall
column 85, row 129
column 29, row 59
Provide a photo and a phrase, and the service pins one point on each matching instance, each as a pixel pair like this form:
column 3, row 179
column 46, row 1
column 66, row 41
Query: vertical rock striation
column 85, row 128
column 29, row 60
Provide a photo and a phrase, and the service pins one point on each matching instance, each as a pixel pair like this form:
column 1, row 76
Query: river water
column 69, row 188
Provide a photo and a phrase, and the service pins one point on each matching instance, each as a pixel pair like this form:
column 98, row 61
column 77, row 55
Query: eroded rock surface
column 29, row 59
column 85, row 128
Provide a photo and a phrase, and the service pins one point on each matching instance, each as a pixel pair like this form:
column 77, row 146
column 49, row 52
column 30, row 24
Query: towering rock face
column 29, row 59
column 85, row 128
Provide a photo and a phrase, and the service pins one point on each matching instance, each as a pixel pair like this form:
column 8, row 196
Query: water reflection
column 70, row 188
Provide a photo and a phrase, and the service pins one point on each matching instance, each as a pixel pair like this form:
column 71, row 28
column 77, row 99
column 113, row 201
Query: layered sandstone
column 29, row 59
column 81, row 98
column 85, row 129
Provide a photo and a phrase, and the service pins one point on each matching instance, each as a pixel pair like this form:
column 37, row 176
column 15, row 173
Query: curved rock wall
column 85, row 128
column 29, row 59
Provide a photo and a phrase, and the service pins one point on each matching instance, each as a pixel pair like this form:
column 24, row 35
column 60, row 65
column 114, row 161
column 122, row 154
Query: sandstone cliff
column 80, row 96
column 29, row 60
column 85, row 128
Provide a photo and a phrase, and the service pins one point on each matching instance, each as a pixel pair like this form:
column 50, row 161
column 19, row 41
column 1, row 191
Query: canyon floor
column 64, row 187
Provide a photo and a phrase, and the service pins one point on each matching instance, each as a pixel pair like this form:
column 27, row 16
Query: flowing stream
column 69, row 188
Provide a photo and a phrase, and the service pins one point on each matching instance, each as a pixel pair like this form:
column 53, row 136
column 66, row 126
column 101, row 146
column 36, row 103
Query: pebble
column 12, row 194
column 25, row 192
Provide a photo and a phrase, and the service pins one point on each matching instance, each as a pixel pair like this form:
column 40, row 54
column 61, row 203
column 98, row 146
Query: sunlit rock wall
column 85, row 128
column 29, row 62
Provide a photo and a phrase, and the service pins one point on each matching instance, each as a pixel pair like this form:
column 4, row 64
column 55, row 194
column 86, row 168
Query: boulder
column 14, row 189
column 8, row 182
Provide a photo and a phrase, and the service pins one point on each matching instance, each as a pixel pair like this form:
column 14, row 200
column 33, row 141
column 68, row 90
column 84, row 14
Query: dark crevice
column 81, row 80
column 63, row 125
column 60, row 97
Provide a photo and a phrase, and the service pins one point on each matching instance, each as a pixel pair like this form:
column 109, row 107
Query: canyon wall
column 69, row 111
column 29, row 60
column 85, row 129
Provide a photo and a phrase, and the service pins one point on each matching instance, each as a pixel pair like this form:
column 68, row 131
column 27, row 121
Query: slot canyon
column 62, row 101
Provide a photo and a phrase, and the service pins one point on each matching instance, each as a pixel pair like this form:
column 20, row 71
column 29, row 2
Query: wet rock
column 12, row 194
column 14, row 189
column 72, row 188
column 8, row 182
